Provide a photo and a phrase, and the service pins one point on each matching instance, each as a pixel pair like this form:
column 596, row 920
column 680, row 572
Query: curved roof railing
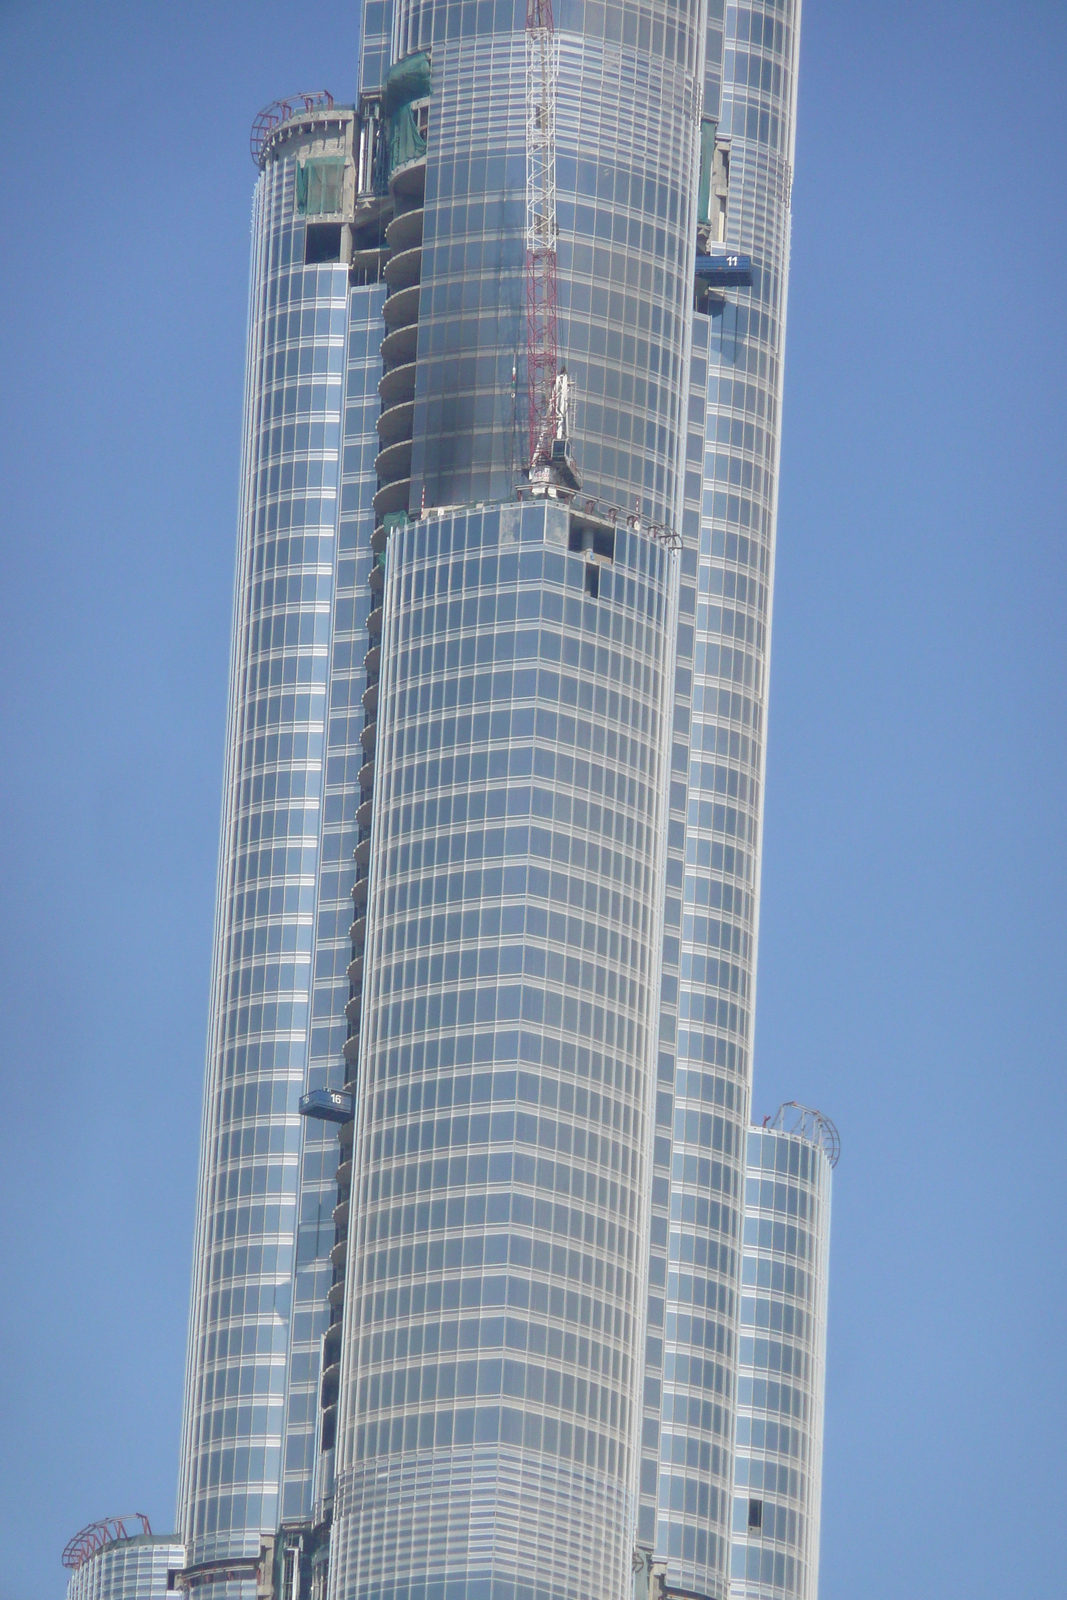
column 815, row 1126
column 280, row 111
column 98, row 1534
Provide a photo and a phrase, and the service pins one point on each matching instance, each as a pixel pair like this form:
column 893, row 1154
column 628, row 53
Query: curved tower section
column 782, row 1359
column 729, row 522
column 270, row 843
column 626, row 86
column 114, row 1565
column 495, row 1290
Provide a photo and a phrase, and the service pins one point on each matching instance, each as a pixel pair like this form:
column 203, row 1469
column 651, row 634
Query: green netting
column 405, row 83
column 707, row 155
column 394, row 519
column 406, row 143
column 409, row 80
column 319, row 186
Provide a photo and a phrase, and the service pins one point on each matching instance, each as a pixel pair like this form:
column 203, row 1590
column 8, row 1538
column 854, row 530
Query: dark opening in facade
column 590, row 534
column 592, row 580
column 755, row 1516
column 322, row 242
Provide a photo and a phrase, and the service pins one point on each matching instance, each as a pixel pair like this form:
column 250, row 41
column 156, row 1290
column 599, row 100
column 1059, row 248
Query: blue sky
column 913, row 933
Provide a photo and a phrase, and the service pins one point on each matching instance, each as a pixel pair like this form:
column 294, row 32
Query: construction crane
column 548, row 383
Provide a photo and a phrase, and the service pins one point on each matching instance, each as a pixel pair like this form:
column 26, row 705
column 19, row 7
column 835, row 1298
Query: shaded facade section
column 344, row 758
column 626, row 119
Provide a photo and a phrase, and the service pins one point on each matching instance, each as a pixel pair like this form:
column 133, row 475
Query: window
column 755, row 1516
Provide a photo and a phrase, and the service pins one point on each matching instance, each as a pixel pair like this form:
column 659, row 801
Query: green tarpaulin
column 707, row 156
column 319, row 185
column 408, row 81
column 405, row 141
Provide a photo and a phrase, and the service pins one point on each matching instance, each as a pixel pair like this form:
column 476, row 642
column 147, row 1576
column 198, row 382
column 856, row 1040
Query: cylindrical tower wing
column 495, row 1286
column 781, row 1367
column 269, row 848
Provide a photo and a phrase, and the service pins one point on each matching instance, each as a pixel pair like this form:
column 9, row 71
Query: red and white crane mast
column 547, row 386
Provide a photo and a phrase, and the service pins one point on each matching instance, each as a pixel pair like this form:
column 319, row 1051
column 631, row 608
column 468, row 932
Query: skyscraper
column 490, row 856
column 781, row 1363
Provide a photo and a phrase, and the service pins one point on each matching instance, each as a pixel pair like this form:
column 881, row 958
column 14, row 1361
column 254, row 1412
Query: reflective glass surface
column 729, row 516
column 781, row 1370
column 129, row 1569
column 268, row 872
column 545, row 1240
column 627, row 104
column 496, row 1270
column 332, row 944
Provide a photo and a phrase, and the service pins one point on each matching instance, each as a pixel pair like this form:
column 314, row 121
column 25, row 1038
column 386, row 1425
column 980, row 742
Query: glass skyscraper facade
column 274, row 838
column 495, row 1297
column 143, row 1567
column 469, row 1298
column 781, row 1362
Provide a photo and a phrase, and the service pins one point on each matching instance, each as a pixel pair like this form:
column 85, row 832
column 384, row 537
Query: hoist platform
column 724, row 272
column 328, row 1105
